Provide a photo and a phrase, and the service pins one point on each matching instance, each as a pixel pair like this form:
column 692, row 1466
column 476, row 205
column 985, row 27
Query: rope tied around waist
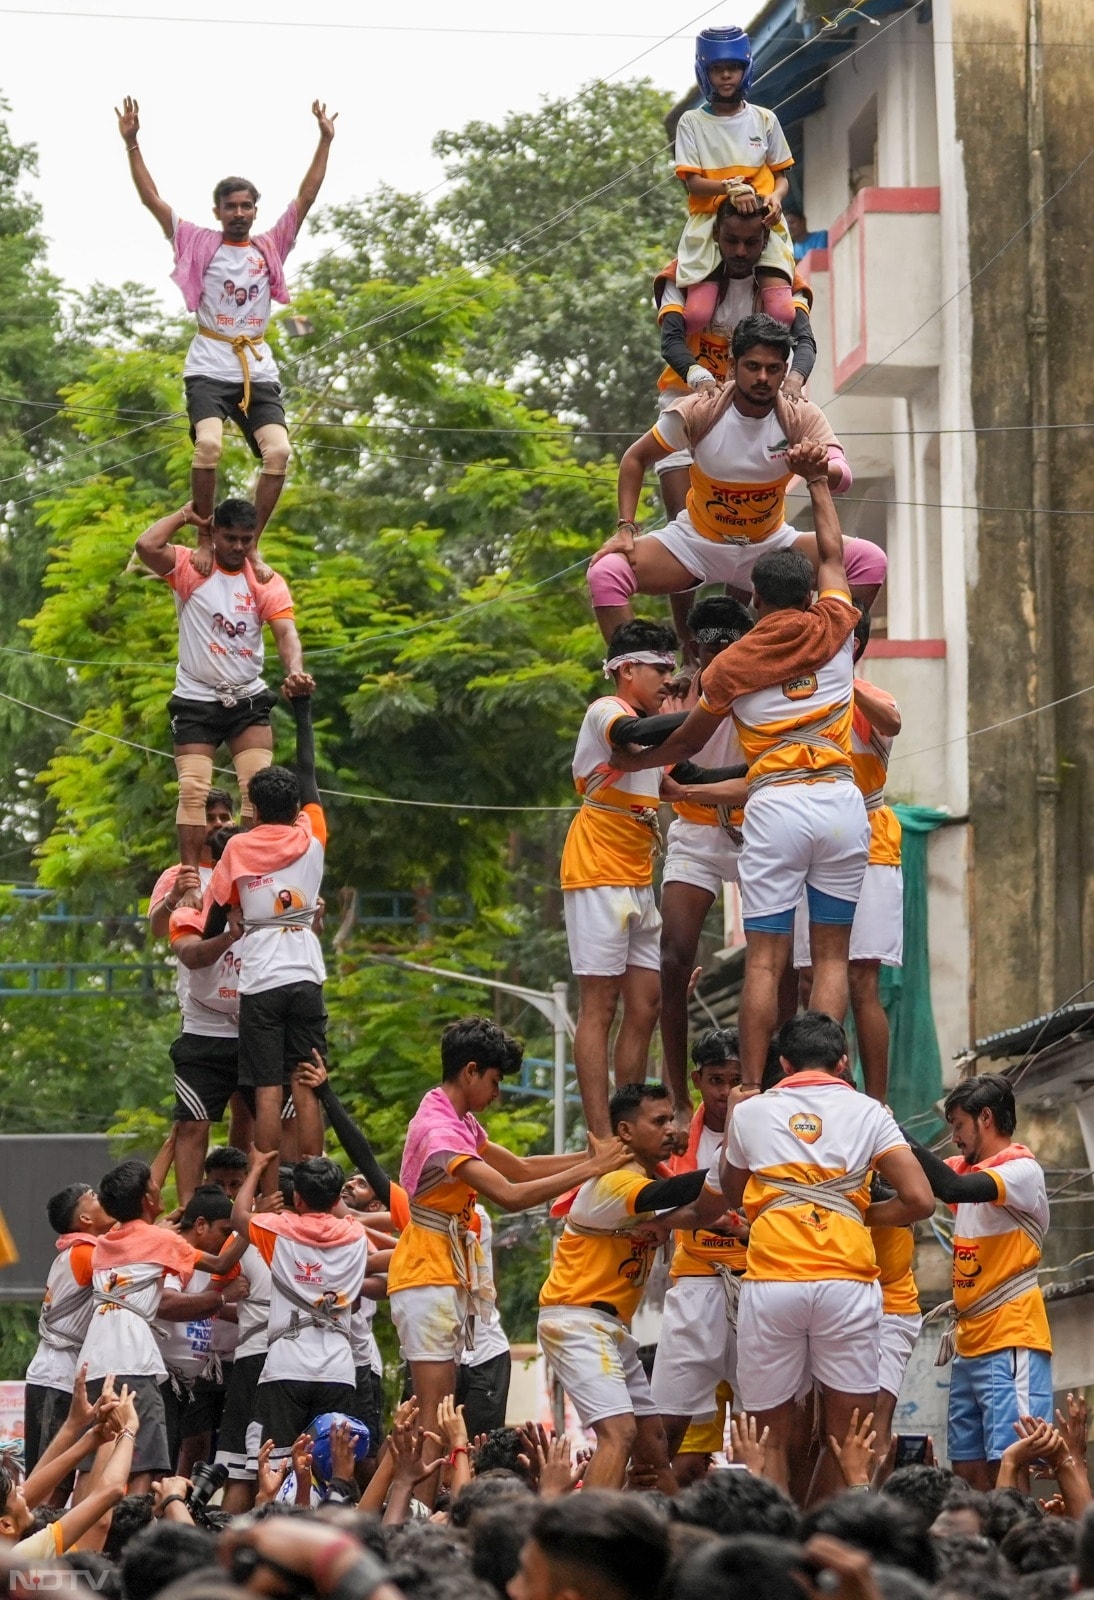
column 1021, row 1282
column 828, row 1194
column 240, row 343
column 468, row 1262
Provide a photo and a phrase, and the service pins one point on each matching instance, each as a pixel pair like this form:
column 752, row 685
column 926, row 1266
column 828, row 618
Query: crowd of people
column 206, row 1410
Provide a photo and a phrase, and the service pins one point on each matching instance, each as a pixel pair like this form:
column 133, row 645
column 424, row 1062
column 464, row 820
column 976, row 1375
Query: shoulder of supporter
column 187, row 919
column 79, row 1263
column 162, row 886
column 316, row 821
column 183, row 578
column 1021, row 1183
column 273, row 599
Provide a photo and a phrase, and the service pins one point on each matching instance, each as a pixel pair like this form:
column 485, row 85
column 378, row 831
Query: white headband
column 641, row 658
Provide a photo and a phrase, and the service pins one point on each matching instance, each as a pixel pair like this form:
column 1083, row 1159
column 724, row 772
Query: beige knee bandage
column 247, row 763
column 208, row 442
column 195, row 781
column 273, row 441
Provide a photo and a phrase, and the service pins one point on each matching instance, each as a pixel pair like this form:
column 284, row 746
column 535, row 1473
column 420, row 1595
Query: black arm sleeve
column 646, row 730
column 688, row 772
column 305, row 750
column 215, row 922
column 805, row 345
column 950, row 1186
column 664, row 1194
column 355, row 1144
column 674, row 343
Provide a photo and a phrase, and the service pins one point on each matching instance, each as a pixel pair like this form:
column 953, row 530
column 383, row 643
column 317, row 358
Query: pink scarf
column 437, row 1127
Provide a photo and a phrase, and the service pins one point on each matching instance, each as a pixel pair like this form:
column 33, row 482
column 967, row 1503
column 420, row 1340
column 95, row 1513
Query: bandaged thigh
column 195, row 781
column 864, row 562
column 208, row 442
column 273, row 441
column 612, row 581
column 247, row 763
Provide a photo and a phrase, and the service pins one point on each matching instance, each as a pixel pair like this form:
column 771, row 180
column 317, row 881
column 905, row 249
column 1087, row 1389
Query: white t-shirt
column 220, row 627
column 235, row 298
column 68, row 1297
column 741, row 467
column 186, row 1347
column 366, row 1352
column 209, row 1000
column 738, row 146
column 119, row 1337
column 283, row 895
column 254, row 1311
column 164, row 884
column 491, row 1339
column 324, row 1259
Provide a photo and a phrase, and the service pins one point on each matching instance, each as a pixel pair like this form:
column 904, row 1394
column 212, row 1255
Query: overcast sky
column 233, row 95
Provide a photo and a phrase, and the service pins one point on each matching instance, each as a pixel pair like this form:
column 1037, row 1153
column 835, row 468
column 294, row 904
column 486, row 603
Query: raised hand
column 236, row 1289
column 809, row 460
column 312, row 1074
column 326, row 123
column 271, row 1475
column 749, row 1449
column 856, row 1454
column 1074, row 1426
column 343, row 1452
column 451, row 1422
column 129, row 122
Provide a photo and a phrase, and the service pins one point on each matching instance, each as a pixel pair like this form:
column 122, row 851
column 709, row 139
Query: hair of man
column 988, row 1091
column 611, row 1540
column 122, row 1190
column 317, row 1183
column 228, row 186
column 719, row 619
column 641, row 634
column 275, row 795
column 235, row 513
column 630, row 1097
column 61, row 1207
column 812, row 1039
column 784, row 579
column 761, row 329
column 226, row 1158
column 480, row 1042
column 207, row 1202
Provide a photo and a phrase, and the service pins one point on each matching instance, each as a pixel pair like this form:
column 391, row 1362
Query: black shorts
column 233, row 1445
column 278, row 1029
column 150, row 1448
column 368, row 1406
column 208, row 722
column 209, row 397
column 206, row 1076
column 483, row 1391
column 44, row 1409
column 285, row 1406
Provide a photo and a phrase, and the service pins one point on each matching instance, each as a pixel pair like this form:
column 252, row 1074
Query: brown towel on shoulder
column 782, row 645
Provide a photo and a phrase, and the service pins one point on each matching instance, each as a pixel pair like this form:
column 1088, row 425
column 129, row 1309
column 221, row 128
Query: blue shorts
column 987, row 1396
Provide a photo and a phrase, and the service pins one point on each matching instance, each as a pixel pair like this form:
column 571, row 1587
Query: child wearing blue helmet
column 728, row 147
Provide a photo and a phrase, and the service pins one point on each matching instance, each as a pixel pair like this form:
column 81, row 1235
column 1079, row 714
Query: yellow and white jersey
column 710, row 346
column 990, row 1245
column 612, row 840
column 809, row 1129
column 870, row 753
column 701, row 1253
column 750, row 145
column 895, row 1251
column 800, row 730
column 601, row 1266
column 722, row 749
column 738, row 475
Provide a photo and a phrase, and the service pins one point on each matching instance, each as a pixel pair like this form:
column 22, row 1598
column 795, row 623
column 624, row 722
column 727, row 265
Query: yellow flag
column 9, row 1255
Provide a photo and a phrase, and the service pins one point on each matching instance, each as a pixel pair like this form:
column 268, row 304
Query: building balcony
column 883, row 273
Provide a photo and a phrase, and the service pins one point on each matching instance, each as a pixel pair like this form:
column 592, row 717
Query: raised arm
column 687, row 740
column 154, row 546
column 313, row 178
column 305, row 749
column 950, row 1186
column 129, row 127
column 195, row 951
column 313, row 1075
column 880, row 709
column 291, row 651
column 810, row 460
column 521, row 1196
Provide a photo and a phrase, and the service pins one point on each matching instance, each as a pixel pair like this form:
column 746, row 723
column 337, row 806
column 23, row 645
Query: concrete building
column 941, row 145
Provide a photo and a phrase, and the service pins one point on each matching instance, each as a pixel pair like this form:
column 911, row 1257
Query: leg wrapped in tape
column 700, row 304
column 208, row 442
column 195, row 781
column 777, row 300
column 612, row 581
column 247, row 763
column 273, row 442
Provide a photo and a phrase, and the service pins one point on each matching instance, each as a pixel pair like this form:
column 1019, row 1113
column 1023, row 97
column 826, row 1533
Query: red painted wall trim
column 906, row 649
column 891, row 200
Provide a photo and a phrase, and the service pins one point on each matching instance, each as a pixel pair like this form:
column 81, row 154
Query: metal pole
column 558, row 1023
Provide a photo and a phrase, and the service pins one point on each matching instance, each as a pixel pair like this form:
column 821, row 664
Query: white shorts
column 877, row 933
column 789, row 1333
column 610, row 929
column 697, row 1349
column 431, row 1322
column 699, row 854
column 898, row 1337
column 802, row 833
column 710, row 560
column 595, row 1358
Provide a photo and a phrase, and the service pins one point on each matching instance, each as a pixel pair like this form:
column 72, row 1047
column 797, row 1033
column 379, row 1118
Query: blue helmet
column 320, row 1430
column 722, row 44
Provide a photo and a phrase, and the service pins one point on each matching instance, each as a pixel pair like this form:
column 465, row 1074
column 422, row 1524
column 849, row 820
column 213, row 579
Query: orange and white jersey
column 274, row 873
column 798, row 731
column 895, row 1251
column 593, row 1263
column 722, row 749
column 811, row 1129
column 612, row 840
column 870, row 753
column 990, row 1245
column 710, row 347
column 423, row 1259
column 209, row 1001
column 317, row 1264
column 66, row 1314
column 220, row 626
column 750, row 145
column 701, row 1253
column 738, row 474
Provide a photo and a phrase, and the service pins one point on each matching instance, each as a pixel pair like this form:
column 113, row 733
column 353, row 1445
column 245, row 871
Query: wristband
column 170, row 1501
column 863, row 1486
column 625, row 522
column 124, row 1433
column 132, row 147
column 365, row 1575
column 458, row 1450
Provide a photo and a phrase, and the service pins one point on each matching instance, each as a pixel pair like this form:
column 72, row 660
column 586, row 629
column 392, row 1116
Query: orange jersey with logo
column 989, row 1245
column 809, row 1128
column 604, row 1266
column 870, row 752
column 422, row 1259
column 895, row 1251
column 700, row 1254
column 611, row 842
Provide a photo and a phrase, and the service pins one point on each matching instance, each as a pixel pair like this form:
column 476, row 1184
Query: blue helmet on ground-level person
column 320, row 1430
column 722, row 44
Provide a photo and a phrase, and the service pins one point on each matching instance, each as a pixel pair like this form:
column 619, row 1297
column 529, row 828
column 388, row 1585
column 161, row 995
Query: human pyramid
column 242, row 1329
